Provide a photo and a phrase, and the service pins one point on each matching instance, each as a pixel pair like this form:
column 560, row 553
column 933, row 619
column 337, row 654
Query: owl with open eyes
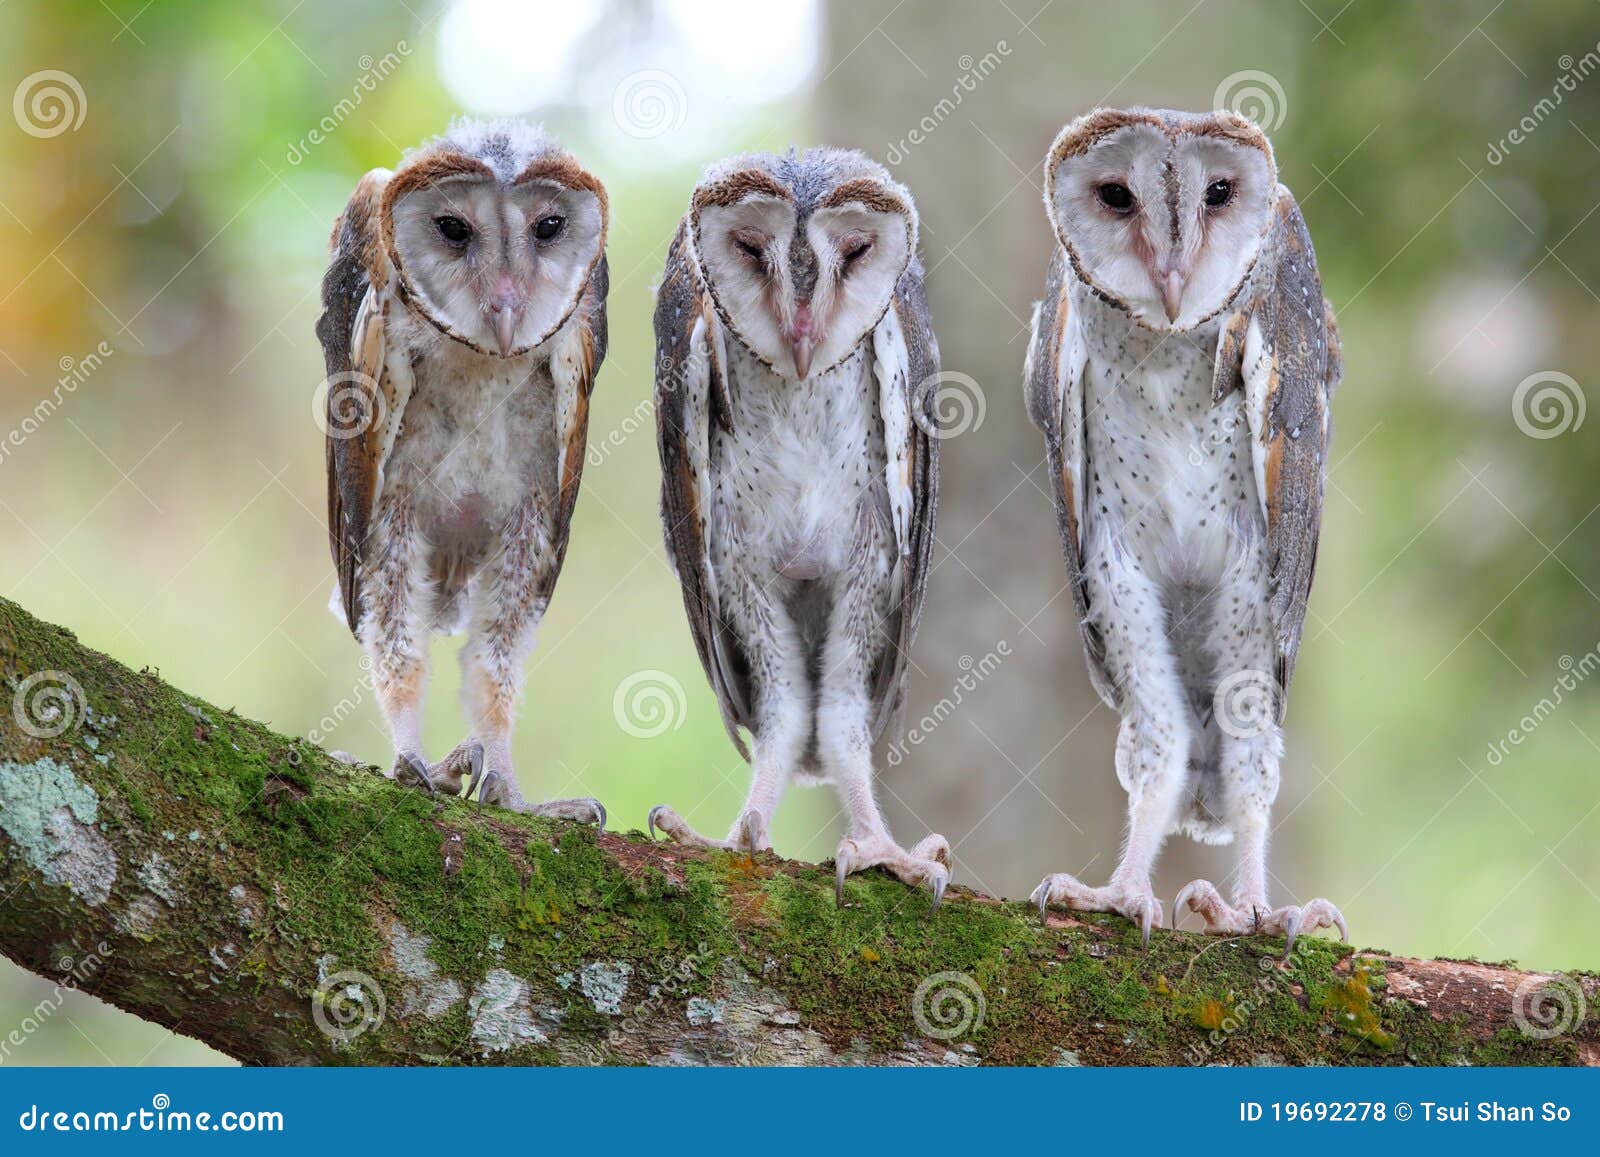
column 1181, row 367
column 463, row 323
column 799, row 466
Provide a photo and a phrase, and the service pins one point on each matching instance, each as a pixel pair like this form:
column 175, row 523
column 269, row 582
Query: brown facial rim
column 557, row 169
column 745, row 183
column 1080, row 135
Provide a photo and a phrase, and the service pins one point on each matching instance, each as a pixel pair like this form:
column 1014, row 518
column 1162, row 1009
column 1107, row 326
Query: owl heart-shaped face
column 498, row 265
column 800, row 280
column 1163, row 213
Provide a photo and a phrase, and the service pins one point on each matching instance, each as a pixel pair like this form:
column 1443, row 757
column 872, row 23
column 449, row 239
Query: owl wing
column 906, row 366
column 1054, row 381
column 1282, row 349
column 690, row 394
column 365, row 401
column 577, row 351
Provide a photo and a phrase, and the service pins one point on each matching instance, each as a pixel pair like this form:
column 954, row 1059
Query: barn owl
column 799, row 476
column 464, row 320
column 1181, row 367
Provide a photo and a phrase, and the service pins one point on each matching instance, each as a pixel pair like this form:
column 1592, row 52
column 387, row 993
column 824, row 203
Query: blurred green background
column 175, row 203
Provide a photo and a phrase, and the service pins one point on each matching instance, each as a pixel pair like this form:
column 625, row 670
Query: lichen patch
column 426, row 991
column 49, row 815
column 502, row 1015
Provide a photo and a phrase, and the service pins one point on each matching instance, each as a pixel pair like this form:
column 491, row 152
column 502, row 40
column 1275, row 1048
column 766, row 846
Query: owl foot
column 412, row 771
column 1257, row 919
column 927, row 863
column 586, row 810
column 749, row 834
column 465, row 762
column 1134, row 902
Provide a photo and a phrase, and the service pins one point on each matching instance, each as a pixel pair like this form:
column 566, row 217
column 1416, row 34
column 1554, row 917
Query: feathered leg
column 1245, row 708
column 1153, row 742
column 504, row 626
column 776, row 748
column 856, row 632
column 395, row 639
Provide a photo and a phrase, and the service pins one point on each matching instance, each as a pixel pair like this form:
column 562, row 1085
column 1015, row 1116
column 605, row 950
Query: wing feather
column 364, row 401
column 1288, row 365
column 691, row 392
column 575, row 359
column 1055, row 391
column 906, row 364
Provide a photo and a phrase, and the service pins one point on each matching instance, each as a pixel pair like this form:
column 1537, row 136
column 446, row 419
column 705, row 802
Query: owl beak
column 1172, row 294
column 505, row 307
column 801, row 339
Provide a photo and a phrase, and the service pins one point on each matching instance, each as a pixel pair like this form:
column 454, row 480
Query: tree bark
column 198, row 870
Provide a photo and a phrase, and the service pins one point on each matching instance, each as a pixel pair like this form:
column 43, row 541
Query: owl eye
column 548, row 227
column 1218, row 194
column 1115, row 196
column 855, row 253
column 453, row 229
column 751, row 250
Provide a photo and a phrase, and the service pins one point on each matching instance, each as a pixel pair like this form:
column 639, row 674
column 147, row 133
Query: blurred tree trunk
column 944, row 102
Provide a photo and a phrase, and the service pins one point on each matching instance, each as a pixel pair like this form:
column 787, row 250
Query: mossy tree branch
column 205, row 873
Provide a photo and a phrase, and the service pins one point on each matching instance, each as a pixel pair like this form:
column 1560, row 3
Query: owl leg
column 1153, row 742
column 777, row 746
column 1245, row 708
column 504, row 627
column 394, row 639
column 844, row 746
column 1249, row 770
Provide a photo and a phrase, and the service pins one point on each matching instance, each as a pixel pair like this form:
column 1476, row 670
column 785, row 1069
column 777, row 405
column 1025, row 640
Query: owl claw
column 650, row 820
column 923, row 864
column 1135, row 904
column 409, row 771
column 1290, row 922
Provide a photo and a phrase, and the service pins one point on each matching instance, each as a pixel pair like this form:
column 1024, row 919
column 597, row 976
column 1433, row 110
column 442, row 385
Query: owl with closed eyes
column 799, row 466
column 463, row 323
column 1181, row 367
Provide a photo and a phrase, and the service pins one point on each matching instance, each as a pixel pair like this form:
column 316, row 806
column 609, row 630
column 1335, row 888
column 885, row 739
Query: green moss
column 333, row 859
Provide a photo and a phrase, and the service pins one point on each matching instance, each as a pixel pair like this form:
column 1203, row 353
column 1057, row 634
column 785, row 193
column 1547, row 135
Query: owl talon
column 650, row 820
column 1256, row 919
column 409, row 771
column 923, row 864
column 1137, row 905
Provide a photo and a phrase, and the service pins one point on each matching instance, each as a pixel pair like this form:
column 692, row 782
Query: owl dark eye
column 1114, row 196
column 453, row 229
column 1218, row 194
column 754, row 252
column 855, row 253
column 548, row 227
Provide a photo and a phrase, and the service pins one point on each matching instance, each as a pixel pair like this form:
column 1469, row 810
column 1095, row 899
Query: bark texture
column 195, row 868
